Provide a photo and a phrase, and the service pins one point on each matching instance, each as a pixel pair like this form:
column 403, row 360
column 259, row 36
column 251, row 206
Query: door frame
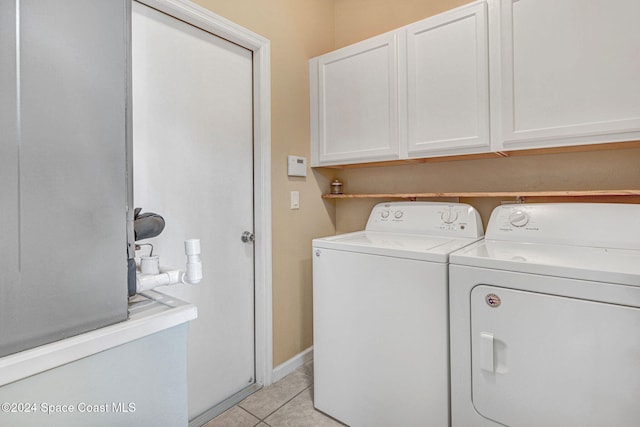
column 206, row 20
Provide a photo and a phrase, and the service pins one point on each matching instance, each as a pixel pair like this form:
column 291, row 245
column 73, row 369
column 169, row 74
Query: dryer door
column 544, row 360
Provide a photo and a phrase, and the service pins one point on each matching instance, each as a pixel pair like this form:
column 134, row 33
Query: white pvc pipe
column 194, row 264
column 192, row 276
column 146, row 282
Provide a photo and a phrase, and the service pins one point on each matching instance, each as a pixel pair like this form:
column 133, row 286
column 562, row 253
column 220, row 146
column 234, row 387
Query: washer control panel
column 432, row 218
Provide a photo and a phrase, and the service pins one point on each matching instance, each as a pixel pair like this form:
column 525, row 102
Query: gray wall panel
column 71, row 173
column 154, row 381
column 9, row 218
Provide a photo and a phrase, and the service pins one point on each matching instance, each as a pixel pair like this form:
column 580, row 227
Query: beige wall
column 298, row 30
column 356, row 20
column 594, row 170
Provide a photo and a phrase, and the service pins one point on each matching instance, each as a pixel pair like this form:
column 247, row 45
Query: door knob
column 248, row 236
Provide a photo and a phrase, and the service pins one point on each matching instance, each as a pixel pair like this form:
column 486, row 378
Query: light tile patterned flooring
column 287, row 403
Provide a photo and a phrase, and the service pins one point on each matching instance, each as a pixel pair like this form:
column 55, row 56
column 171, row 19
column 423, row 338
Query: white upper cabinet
column 354, row 103
column 565, row 72
column 495, row 75
column 448, row 83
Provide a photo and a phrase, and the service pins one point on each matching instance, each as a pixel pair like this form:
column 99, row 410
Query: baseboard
column 284, row 369
column 228, row 403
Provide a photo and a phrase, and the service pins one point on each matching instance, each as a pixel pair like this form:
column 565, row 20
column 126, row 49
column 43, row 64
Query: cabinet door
column 448, row 83
column 354, row 95
column 568, row 72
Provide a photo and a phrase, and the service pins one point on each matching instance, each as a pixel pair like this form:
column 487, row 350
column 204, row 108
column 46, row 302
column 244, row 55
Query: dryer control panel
column 606, row 225
column 430, row 218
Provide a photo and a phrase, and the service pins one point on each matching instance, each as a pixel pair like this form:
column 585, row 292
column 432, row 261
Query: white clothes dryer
column 545, row 319
column 380, row 315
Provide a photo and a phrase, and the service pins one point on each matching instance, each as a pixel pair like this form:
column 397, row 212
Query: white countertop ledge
column 153, row 313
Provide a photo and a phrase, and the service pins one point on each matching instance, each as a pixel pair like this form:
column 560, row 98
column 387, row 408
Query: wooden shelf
column 520, row 195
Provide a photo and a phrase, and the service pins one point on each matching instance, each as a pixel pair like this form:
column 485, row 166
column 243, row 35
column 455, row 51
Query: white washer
column 380, row 315
column 545, row 319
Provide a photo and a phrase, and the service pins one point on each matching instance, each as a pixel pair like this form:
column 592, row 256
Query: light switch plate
column 295, row 200
column 297, row 166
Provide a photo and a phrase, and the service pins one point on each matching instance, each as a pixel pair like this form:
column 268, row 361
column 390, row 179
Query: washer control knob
column 398, row 214
column 384, row 214
column 519, row 218
column 449, row 216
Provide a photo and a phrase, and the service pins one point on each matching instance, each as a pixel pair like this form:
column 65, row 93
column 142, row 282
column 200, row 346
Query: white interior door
column 193, row 164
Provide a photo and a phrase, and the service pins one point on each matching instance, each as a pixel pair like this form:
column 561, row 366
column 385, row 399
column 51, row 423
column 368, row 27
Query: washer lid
column 410, row 246
column 608, row 265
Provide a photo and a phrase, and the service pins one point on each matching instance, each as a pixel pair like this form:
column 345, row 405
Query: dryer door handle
column 487, row 361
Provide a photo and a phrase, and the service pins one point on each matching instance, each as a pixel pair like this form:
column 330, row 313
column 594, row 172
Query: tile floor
column 287, row 403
